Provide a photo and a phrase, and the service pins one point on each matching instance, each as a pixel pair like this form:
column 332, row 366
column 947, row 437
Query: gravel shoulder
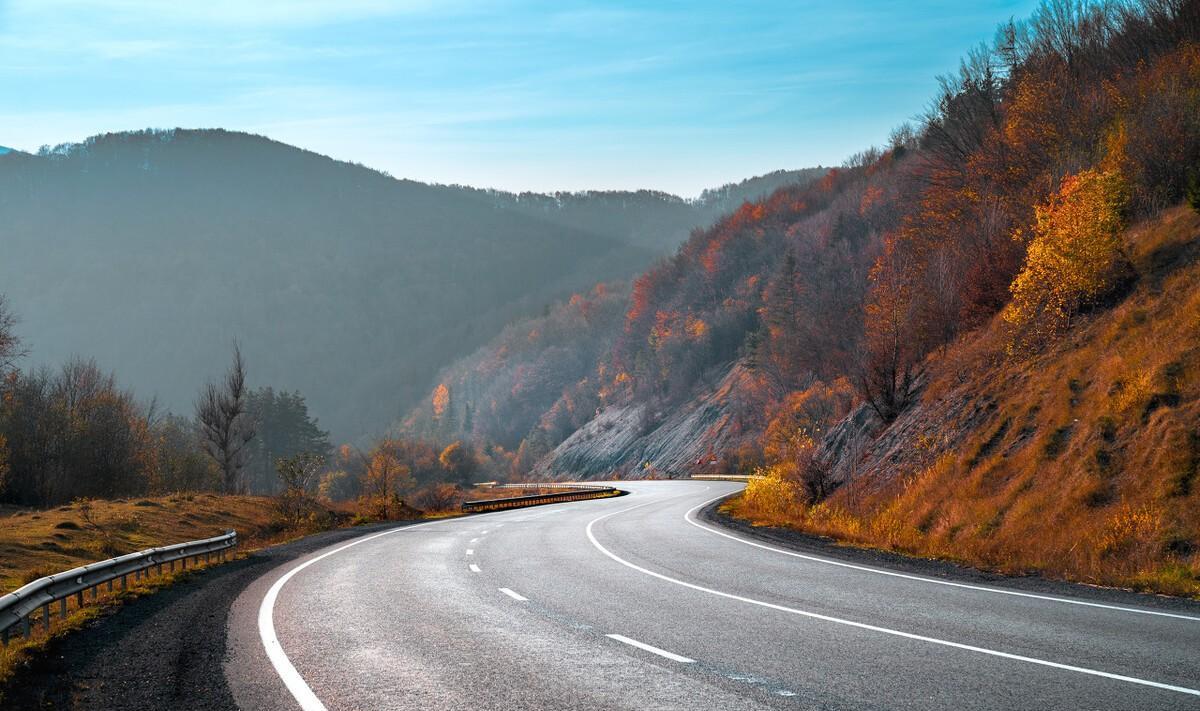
column 161, row 651
column 800, row 542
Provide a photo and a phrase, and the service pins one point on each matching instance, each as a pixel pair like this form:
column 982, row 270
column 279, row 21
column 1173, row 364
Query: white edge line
column 291, row 678
column 514, row 595
column 652, row 649
column 470, row 551
column 690, row 518
column 473, row 568
column 873, row 628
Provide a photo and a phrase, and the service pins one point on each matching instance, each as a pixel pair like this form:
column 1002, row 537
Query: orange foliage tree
column 1075, row 256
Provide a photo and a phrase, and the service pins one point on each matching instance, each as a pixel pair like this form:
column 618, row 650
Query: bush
column 770, row 498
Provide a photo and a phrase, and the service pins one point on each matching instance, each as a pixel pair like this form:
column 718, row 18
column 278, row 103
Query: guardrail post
column 110, row 587
column 46, row 618
column 123, row 583
column 79, row 599
column 62, row 608
column 26, row 628
column 4, row 637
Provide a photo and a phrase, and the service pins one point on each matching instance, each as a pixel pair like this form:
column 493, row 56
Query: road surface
column 633, row 603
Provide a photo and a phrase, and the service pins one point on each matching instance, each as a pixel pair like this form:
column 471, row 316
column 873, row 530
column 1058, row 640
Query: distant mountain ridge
column 153, row 250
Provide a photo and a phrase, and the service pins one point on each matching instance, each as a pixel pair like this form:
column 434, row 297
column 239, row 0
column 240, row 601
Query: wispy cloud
column 508, row 93
column 252, row 13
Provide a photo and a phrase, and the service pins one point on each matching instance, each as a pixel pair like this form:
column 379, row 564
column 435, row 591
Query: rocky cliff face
column 629, row 439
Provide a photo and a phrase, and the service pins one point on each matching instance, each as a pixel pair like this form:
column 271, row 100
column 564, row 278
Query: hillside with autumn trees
column 341, row 282
column 988, row 327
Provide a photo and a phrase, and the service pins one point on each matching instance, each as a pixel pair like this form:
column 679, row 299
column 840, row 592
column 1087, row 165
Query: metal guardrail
column 552, row 485
column 581, row 492
column 725, row 477
column 16, row 607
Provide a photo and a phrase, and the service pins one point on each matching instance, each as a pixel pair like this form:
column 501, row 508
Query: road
column 633, row 603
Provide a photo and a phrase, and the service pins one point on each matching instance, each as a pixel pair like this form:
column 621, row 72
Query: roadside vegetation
column 1088, row 465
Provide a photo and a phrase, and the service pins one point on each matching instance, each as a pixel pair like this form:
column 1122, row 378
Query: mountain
column 655, row 220
column 978, row 342
column 153, row 251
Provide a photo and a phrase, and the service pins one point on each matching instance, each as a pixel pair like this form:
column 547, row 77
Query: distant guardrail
column 579, row 491
column 18, row 606
column 725, row 477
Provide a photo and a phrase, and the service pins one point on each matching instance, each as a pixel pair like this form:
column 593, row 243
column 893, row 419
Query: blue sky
column 569, row 95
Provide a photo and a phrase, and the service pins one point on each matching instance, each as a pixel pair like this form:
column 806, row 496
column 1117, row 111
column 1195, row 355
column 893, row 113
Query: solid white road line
column 470, row 551
column 291, row 678
column 861, row 625
column 652, row 649
column 473, row 568
column 473, row 540
column 690, row 518
column 516, row 596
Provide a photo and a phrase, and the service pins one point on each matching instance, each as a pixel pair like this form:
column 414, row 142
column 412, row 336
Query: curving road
column 633, row 603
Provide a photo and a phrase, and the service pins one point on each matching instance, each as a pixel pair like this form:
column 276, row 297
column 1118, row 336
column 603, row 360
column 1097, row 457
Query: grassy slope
column 1086, row 463
column 34, row 543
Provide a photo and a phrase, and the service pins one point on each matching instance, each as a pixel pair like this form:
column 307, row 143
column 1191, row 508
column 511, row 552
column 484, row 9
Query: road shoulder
column 161, row 651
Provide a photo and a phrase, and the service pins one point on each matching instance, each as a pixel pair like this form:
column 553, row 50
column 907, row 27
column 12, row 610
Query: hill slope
column 153, row 251
column 1099, row 434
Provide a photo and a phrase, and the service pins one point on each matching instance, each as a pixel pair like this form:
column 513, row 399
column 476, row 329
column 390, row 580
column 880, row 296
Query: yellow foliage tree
column 441, row 400
column 1074, row 256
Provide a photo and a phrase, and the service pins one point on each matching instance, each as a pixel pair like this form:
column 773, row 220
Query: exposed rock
column 622, row 439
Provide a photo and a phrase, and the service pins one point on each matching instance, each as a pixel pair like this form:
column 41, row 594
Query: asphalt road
column 633, row 603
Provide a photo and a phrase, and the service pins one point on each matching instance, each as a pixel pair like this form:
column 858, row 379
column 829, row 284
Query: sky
column 563, row 95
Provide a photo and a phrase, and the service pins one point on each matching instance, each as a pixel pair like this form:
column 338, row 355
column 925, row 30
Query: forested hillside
column 847, row 335
column 152, row 251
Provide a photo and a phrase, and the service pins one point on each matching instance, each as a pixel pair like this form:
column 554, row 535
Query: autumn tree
column 298, row 475
column 72, row 432
column 226, row 426
column 440, row 401
column 460, row 462
column 385, row 478
column 888, row 365
column 1075, row 256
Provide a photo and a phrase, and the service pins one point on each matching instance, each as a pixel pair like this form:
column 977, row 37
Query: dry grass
column 35, row 543
column 1089, row 467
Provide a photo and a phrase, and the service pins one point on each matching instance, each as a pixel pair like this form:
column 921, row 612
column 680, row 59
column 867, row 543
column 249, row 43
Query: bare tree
column 226, row 425
column 10, row 345
column 299, row 475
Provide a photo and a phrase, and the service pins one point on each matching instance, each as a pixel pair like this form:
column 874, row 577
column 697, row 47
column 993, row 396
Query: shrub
column 770, row 497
